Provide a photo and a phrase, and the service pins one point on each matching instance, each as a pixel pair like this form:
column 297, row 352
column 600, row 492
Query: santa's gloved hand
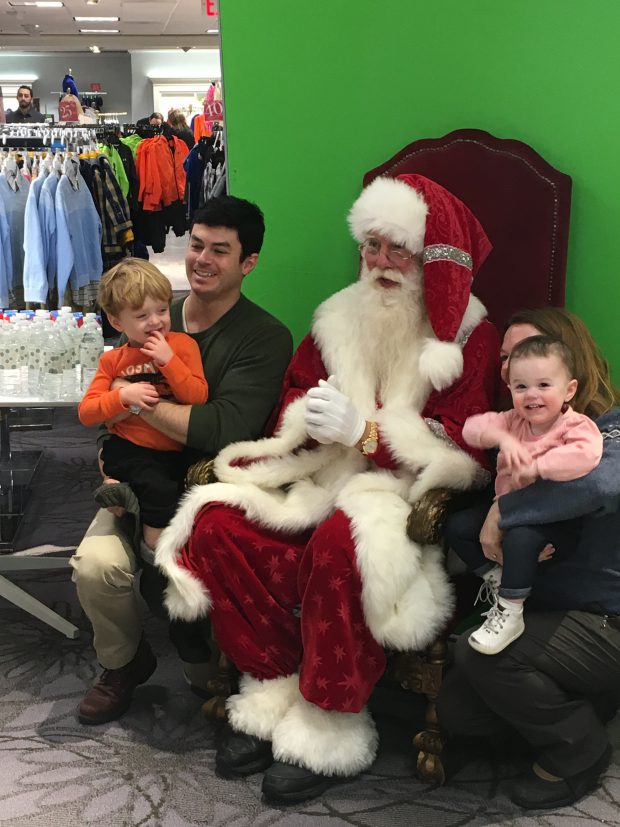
column 331, row 416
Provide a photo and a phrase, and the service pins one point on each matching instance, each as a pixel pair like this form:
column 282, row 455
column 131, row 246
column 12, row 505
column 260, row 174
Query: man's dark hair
column 543, row 346
column 157, row 115
column 25, row 86
column 237, row 214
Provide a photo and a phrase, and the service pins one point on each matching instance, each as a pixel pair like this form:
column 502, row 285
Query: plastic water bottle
column 21, row 332
column 71, row 339
column 53, row 359
column 9, row 362
column 37, row 332
column 90, row 351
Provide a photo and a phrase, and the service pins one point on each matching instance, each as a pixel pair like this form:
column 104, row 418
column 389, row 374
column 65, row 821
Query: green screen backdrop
column 318, row 92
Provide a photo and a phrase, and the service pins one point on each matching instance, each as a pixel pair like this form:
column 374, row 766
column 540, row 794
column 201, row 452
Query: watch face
column 370, row 446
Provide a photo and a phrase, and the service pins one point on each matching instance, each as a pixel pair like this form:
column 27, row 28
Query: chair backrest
column 522, row 202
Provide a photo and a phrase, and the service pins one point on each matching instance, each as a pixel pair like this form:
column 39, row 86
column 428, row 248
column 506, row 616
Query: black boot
column 290, row 783
column 239, row 754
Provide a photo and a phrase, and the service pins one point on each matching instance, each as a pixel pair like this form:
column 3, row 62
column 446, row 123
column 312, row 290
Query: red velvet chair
column 523, row 204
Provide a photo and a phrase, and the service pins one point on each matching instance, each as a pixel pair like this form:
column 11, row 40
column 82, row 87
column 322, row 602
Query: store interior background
column 165, row 55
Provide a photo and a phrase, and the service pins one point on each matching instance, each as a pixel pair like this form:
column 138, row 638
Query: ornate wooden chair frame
column 524, row 205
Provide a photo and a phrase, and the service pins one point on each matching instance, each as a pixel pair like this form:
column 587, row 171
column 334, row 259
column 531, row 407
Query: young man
column 25, row 113
column 245, row 352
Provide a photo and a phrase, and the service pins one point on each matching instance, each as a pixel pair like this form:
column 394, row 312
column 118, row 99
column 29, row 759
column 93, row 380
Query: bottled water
column 53, row 360
column 37, row 332
column 71, row 338
column 21, row 333
column 90, row 351
column 10, row 373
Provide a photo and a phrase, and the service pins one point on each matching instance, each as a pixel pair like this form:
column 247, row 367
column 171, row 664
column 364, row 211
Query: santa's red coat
column 300, row 553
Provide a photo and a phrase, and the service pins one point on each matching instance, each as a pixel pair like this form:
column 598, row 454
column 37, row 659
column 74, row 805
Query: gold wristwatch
column 371, row 443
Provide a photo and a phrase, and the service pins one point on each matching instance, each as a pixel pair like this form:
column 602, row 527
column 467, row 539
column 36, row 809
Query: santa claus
column 299, row 554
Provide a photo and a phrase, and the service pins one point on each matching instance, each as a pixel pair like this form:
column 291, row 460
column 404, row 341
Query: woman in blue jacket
column 547, row 685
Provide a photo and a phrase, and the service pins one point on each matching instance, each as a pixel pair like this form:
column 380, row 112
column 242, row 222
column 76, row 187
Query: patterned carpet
column 154, row 767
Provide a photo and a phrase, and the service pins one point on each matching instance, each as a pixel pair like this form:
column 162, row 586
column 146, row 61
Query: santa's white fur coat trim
column 261, row 705
column 405, row 595
column 324, row 741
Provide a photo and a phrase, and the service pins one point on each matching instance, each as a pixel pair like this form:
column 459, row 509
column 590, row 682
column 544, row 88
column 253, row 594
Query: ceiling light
column 41, row 4
column 99, row 31
column 8, row 77
column 213, row 31
column 96, row 19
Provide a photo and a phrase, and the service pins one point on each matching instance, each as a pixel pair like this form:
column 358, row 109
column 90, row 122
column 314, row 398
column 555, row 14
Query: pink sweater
column 571, row 449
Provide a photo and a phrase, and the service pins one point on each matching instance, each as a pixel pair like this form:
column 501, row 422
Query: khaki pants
column 104, row 569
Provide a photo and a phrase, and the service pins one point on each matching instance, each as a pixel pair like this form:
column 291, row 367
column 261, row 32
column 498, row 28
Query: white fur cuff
column 441, row 363
column 260, row 705
column 328, row 742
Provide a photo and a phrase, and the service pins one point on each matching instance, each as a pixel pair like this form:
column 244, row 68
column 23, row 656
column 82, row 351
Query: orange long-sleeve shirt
column 182, row 379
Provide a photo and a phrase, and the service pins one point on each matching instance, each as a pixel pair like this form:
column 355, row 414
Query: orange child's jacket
column 182, row 379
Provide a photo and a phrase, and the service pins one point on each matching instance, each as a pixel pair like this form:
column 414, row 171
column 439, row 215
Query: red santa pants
column 288, row 602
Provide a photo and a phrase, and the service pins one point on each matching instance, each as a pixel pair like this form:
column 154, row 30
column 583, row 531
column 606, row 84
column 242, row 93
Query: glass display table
column 17, row 469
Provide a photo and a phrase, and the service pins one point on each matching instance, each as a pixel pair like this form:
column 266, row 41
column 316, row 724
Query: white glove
column 331, row 416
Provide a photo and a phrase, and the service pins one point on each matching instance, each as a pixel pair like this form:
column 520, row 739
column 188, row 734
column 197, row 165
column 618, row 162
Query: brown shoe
column 111, row 696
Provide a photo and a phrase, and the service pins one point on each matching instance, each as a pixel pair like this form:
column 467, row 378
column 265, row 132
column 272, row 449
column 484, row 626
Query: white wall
column 203, row 64
column 111, row 69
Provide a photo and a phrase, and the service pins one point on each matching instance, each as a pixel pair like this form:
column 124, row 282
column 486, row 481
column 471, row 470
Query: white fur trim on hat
column 391, row 208
column 326, row 741
column 441, row 363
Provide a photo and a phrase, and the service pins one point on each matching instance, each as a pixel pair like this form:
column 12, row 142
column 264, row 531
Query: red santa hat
column 424, row 217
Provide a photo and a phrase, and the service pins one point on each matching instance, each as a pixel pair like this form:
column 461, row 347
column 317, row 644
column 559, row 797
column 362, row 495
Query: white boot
column 503, row 624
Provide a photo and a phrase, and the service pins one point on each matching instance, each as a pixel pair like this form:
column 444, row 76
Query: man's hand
column 491, row 536
column 117, row 510
column 157, row 348
column 140, row 393
column 527, row 475
column 331, row 416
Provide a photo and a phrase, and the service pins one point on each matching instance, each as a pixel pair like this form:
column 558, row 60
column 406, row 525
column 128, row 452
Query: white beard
column 392, row 326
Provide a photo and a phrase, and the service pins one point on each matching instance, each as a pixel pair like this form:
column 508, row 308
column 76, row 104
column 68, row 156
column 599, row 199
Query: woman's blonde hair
column 129, row 283
column 176, row 119
column 596, row 392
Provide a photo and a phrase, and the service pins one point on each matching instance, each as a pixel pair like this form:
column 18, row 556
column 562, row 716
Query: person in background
column 177, row 121
column 559, row 683
column 245, row 352
column 25, row 113
column 154, row 119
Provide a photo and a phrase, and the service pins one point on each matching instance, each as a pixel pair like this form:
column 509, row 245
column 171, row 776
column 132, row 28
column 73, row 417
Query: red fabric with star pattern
column 260, row 582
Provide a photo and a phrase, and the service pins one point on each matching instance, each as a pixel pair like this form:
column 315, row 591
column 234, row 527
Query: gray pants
column 104, row 569
column 543, row 686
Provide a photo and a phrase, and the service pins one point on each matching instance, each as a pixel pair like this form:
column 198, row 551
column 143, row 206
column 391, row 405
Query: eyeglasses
column 395, row 255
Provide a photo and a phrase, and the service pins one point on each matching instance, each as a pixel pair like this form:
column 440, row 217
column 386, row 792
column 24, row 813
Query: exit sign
column 210, row 8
